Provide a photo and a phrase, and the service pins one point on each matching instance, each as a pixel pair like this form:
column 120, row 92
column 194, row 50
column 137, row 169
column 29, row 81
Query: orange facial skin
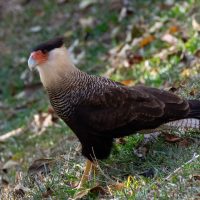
column 39, row 57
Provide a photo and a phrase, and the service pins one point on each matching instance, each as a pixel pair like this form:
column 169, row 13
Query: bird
column 98, row 109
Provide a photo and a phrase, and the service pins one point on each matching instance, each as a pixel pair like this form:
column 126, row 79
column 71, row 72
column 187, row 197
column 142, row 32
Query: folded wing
column 120, row 106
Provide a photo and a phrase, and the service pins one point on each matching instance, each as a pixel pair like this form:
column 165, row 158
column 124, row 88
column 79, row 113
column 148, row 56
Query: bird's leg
column 94, row 169
column 86, row 173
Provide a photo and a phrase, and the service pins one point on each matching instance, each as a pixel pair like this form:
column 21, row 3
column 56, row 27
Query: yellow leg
column 94, row 169
column 86, row 173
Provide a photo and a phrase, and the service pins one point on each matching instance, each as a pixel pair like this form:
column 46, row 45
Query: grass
column 179, row 69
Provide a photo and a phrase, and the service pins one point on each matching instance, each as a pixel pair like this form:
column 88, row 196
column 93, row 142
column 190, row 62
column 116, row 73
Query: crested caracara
column 98, row 109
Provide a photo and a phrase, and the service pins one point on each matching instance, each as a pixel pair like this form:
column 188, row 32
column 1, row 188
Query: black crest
column 50, row 45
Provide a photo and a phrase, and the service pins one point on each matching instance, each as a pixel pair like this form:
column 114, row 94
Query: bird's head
column 51, row 59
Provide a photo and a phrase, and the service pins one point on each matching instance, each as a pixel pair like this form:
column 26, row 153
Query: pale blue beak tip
column 31, row 63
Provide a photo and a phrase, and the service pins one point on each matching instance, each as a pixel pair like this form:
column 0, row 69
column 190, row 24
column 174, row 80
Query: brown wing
column 119, row 106
column 175, row 107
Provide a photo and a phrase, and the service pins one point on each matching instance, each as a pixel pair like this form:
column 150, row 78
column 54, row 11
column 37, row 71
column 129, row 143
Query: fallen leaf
column 174, row 29
column 117, row 186
column 133, row 58
column 156, row 27
column 185, row 142
column 185, row 73
column 169, row 39
column 196, row 22
column 40, row 166
column 128, row 82
column 123, row 14
column 10, row 164
column 147, row 40
column 86, row 3
column 18, row 177
column 118, row 56
column 196, row 177
column 98, row 190
column 122, row 51
column 20, row 190
column 43, row 120
column 164, row 53
column 95, row 190
column 49, row 192
column 87, row 22
column 171, row 138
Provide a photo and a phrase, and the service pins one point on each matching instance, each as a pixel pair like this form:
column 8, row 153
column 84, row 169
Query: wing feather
column 119, row 106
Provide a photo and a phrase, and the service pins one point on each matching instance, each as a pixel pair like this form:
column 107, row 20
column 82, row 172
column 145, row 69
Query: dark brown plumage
column 50, row 45
column 99, row 110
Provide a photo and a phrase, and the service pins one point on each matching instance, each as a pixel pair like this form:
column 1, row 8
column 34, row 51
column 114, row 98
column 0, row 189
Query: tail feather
column 194, row 109
column 189, row 123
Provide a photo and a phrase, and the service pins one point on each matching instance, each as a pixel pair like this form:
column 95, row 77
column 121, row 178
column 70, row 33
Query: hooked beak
column 32, row 62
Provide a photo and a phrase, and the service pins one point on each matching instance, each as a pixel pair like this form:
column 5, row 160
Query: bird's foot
column 86, row 173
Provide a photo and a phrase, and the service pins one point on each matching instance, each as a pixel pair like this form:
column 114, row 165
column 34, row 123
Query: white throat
column 57, row 66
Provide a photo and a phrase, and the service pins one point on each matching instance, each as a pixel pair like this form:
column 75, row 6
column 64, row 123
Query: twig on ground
column 195, row 156
column 15, row 132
